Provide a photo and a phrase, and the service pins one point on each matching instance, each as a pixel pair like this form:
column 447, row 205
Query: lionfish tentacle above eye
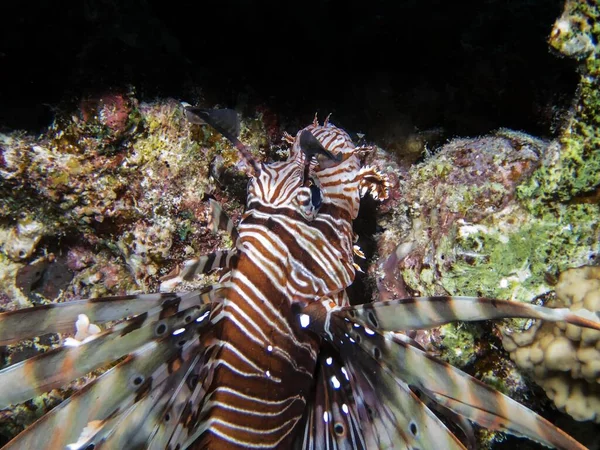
column 311, row 146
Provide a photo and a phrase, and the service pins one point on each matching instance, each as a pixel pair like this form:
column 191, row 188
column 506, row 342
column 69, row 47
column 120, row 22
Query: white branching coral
column 564, row 359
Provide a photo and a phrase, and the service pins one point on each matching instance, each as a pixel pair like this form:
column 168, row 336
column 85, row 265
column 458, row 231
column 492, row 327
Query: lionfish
column 273, row 355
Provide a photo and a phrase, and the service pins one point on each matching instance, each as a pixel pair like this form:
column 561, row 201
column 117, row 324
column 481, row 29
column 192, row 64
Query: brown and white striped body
column 263, row 359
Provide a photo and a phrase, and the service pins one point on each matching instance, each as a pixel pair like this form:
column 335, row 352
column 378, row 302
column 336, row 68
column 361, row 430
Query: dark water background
column 467, row 67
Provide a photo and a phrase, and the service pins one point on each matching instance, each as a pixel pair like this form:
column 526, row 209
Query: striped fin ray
column 185, row 407
column 155, row 420
column 331, row 419
column 58, row 366
column 133, row 426
column 382, row 354
column 61, row 317
column 400, row 419
column 221, row 259
column 98, row 405
column 127, row 429
column 390, row 415
column 150, row 421
column 219, row 220
column 182, row 410
column 416, row 313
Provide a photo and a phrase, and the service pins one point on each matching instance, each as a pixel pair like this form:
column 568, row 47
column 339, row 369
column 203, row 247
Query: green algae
column 459, row 343
column 572, row 171
column 509, row 261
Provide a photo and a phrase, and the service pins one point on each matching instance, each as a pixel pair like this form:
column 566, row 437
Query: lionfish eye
column 315, row 196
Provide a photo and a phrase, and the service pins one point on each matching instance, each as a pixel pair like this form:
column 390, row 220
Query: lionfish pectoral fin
column 152, row 422
column 461, row 422
column 371, row 180
column 387, row 412
column 311, row 147
column 221, row 259
column 331, row 419
column 393, row 354
column 415, row 313
column 119, row 397
column 57, row 367
column 61, row 317
column 495, row 411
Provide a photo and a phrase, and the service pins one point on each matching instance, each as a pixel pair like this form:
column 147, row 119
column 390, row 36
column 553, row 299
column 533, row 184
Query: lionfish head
column 321, row 171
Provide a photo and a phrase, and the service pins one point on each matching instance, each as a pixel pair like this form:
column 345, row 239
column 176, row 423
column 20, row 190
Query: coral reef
column 455, row 226
column 116, row 183
column 466, row 233
column 563, row 359
column 109, row 199
column 105, row 202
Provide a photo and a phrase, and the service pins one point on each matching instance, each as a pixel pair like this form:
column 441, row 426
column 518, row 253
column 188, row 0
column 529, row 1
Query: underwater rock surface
column 105, row 203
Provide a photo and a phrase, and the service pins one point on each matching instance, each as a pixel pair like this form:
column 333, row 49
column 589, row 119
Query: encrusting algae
column 571, row 168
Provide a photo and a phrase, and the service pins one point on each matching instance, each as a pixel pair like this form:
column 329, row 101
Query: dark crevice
column 365, row 226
